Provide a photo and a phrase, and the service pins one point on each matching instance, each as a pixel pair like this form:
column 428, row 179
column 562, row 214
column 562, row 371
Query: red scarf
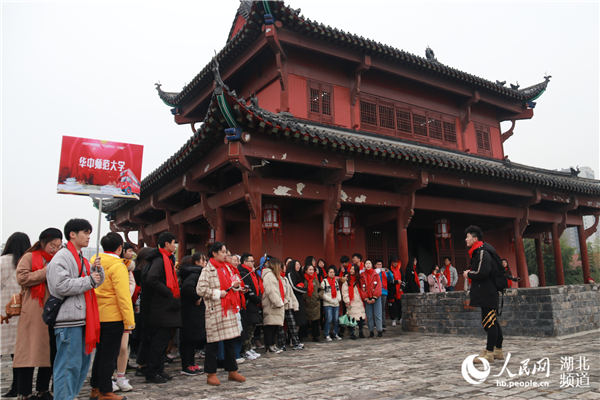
column 281, row 291
column 239, row 293
column 332, row 284
column 92, row 317
column 397, row 277
column 439, row 280
column 231, row 301
column 475, row 246
column 310, row 284
column 170, row 277
column 416, row 276
column 351, row 285
column 39, row 259
column 258, row 284
column 447, row 273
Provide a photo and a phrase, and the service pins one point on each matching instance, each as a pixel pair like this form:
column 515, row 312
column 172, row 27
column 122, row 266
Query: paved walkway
column 398, row 366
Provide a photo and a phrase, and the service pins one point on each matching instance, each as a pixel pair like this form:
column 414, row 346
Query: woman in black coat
column 296, row 278
column 251, row 316
column 192, row 334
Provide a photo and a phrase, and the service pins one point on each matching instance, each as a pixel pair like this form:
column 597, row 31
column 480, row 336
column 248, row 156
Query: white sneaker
column 249, row 356
column 123, row 384
column 254, row 353
column 240, row 360
column 338, row 337
column 394, row 323
column 327, row 338
column 115, row 387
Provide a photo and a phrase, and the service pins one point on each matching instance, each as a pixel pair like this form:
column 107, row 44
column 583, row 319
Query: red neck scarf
column 280, row 281
column 447, row 273
column 475, row 246
column 332, row 284
column 258, row 284
column 92, row 317
column 39, row 259
column 438, row 278
column 351, row 285
column 397, row 277
column 416, row 275
column 170, row 277
column 231, row 301
column 310, row 284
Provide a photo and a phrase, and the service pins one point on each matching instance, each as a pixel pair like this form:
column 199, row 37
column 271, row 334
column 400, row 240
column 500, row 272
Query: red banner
column 91, row 166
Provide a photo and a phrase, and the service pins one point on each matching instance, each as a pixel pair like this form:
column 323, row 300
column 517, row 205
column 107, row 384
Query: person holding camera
column 436, row 280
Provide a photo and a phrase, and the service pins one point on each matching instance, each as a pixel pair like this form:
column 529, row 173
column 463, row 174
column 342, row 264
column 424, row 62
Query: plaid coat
column 9, row 286
column 219, row 327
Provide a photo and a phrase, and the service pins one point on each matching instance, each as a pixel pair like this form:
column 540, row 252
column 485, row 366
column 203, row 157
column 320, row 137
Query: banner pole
column 99, row 221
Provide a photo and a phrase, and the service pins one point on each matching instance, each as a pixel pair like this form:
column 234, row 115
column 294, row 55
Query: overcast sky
column 88, row 68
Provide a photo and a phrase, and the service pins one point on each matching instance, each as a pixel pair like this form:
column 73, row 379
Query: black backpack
column 498, row 276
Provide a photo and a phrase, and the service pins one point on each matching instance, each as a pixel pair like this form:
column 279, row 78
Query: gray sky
column 88, row 68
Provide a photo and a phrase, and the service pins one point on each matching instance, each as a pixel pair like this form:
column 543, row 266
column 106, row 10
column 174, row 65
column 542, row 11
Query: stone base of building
column 544, row 311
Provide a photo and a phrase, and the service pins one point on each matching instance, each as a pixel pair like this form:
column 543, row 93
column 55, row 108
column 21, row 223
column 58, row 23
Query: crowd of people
column 220, row 306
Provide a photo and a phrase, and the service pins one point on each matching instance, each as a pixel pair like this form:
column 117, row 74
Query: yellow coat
column 114, row 298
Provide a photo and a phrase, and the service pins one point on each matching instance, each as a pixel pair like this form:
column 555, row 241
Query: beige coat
column 272, row 304
column 33, row 342
column 356, row 308
column 291, row 301
column 219, row 327
column 9, row 286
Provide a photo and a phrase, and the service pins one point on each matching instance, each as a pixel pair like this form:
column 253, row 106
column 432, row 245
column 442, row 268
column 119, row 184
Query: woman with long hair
column 312, row 300
column 371, row 288
column 36, row 345
column 291, row 306
column 16, row 245
column 296, row 279
column 273, row 302
column 140, row 342
column 353, row 298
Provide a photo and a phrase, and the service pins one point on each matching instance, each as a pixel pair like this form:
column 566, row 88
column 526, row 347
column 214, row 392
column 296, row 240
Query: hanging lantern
column 442, row 229
column 344, row 226
column 212, row 236
column 271, row 219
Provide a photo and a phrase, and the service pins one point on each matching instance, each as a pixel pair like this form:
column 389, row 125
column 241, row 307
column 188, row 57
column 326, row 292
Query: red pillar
column 402, row 239
column 329, row 232
column 540, row 261
column 220, row 228
column 256, row 235
column 585, row 262
column 521, row 260
column 182, row 246
column 560, row 275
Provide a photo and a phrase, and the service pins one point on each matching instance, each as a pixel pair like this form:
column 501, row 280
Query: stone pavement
column 400, row 365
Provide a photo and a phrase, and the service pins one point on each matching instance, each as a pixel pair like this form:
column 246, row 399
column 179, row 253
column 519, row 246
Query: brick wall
column 544, row 311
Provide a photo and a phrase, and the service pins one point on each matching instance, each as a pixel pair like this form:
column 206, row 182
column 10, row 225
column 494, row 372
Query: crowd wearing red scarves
column 224, row 308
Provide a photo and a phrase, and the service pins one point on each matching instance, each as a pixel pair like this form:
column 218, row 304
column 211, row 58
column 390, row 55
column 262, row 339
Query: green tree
column 572, row 275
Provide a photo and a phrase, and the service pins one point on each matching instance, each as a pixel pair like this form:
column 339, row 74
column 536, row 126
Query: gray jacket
column 65, row 282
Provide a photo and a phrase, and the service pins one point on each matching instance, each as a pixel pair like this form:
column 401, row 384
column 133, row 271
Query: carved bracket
column 466, row 110
column 280, row 56
column 406, row 213
column 573, row 205
column 523, row 221
column 363, row 66
column 334, row 202
column 189, row 185
column 209, row 213
column 590, row 231
column 505, row 135
column 251, row 197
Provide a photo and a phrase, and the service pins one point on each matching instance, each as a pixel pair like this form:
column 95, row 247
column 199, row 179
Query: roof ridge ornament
column 430, row 55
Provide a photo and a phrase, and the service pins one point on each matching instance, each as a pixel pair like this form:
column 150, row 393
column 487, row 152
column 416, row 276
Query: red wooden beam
column 474, row 183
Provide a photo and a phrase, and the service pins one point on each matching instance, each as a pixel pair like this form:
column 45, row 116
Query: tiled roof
column 292, row 20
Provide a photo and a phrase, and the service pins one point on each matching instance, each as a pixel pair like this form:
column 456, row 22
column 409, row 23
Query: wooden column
column 402, row 221
column 560, row 275
column 540, row 261
column 220, row 225
column 182, row 243
column 256, row 236
column 585, row 262
column 329, row 233
column 521, row 260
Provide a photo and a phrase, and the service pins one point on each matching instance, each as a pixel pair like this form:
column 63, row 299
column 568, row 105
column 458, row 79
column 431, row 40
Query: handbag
column 13, row 307
column 345, row 320
column 51, row 309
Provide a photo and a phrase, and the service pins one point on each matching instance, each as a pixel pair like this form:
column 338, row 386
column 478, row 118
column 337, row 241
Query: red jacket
column 370, row 284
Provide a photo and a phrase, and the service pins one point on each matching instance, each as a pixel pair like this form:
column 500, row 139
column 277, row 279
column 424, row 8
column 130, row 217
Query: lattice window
column 368, row 113
column 435, row 128
column 450, row 132
column 315, row 100
column 483, row 139
column 326, row 102
column 420, row 125
column 403, row 121
column 386, row 116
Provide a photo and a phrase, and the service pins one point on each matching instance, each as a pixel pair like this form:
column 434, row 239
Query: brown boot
column 111, row 396
column 488, row 355
column 498, row 355
column 212, row 379
column 94, row 394
column 236, row 376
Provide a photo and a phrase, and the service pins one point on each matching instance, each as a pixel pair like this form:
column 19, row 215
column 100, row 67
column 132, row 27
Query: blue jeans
column 71, row 363
column 237, row 346
column 331, row 316
column 374, row 315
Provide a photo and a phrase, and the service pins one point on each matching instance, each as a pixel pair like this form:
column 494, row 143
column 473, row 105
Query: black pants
column 490, row 323
column 107, row 352
column 187, row 350
column 210, row 359
column 396, row 309
column 270, row 334
column 143, row 346
column 158, row 341
column 24, row 378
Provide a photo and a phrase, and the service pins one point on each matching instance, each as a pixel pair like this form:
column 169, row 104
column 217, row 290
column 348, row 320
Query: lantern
column 344, row 226
column 442, row 229
column 271, row 219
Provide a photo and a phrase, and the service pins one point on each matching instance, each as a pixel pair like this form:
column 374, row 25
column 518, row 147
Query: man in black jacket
column 483, row 290
column 161, row 306
column 251, row 314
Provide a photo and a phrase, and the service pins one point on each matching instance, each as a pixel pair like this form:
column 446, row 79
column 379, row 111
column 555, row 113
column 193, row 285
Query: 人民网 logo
column 472, row 374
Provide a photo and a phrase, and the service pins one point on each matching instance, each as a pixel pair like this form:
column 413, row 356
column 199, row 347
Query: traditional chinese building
column 307, row 140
